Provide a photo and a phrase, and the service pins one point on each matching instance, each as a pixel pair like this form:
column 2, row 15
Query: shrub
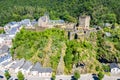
column 100, row 75
column 76, row 75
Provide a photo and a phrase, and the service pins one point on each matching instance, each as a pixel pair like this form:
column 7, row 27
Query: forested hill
column 69, row 10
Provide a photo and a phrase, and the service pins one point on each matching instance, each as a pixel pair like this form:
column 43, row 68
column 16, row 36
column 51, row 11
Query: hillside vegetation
column 46, row 47
column 100, row 10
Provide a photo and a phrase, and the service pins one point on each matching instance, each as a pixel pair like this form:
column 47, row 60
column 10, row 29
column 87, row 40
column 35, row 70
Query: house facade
column 114, row 68
column 38, row 70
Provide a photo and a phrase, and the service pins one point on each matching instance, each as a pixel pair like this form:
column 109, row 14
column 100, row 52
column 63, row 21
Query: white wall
column 115, row 70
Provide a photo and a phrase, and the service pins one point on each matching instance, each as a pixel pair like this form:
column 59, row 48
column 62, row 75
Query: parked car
column 1, row 76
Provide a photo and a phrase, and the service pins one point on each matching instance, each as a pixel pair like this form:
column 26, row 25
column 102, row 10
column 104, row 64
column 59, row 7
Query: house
column 34, row 70
column 26, row 22
column 114, row 68
column 38, row 70
column 25, row 69
column 5, row 58
column 16, row 66
column 4, row 50
column 13, row 32
column 8, row 42
column 3, row 36
column 10, row 25
column 5, row 40
column 1, row 42
column 7, row 64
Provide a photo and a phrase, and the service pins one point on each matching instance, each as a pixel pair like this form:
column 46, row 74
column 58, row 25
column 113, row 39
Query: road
column 2, row 74
column 86, row 77
column 65, row 77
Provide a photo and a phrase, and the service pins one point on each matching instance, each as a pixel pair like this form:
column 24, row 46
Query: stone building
column 43, row 21
column 46, row 22
column 84, row 22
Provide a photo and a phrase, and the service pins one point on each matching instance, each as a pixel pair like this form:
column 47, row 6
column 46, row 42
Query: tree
column 76, row 75
column 7, row 75
column 20, row 76
column 53, row 76
column 100, row 75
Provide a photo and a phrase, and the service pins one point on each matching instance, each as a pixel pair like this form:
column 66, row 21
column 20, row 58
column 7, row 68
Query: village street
column 63, row 77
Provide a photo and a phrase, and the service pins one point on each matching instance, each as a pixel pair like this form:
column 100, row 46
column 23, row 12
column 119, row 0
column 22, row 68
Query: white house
column 114, row 68
column 16, row 66
column 40, row 71
column 7, row 64
column 25, row 69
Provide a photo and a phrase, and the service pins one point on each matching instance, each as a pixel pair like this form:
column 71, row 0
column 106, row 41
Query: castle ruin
column 84, row 22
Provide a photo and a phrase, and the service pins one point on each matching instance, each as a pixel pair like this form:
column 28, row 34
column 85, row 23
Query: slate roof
column 18, row 64
column 5, row 57
column 12, row 23
column 2, row 35
column 26, row 65
column 114, row 65
column 40, row 69
column 36, row 67
column 47, row 69
column 25, row 21
column 6, row 63
column 4, row 49
column 13, row 30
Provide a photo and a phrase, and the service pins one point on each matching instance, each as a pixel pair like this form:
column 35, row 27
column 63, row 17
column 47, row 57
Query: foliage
column 2, row 31
column 33, row 45
column 69, row 10
column 97, row 68
column 76, row 75
column 7, row 75
column 45, row 47
column 100, row 75
column 53, row 76
column 20, row 76
column 106, row 68
column 105, row 51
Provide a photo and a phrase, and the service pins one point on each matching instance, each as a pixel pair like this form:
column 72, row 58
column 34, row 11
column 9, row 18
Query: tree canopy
column 20, row 76
column 69, row 10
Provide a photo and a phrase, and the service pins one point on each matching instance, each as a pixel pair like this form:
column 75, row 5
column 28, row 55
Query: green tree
column 20, row 76
column 76, row 75
column 7, row 75
column 2, row 31
column 53, row 76
column 100, row 75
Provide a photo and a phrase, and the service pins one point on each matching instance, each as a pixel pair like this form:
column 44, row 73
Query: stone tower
column 43, row 21
column 84, row 22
